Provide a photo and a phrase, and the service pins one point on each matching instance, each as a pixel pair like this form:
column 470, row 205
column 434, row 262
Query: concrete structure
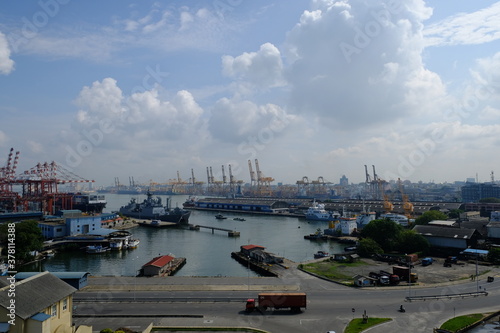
column 157, row 265
column 493, row 230
column 73, row 222
column 473, row 192
column 42, row 304
column 77, row 280
column 448, row 237
column 347, row 225
column 364, row 281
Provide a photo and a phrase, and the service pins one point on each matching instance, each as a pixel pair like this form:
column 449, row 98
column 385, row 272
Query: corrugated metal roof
column 159, row 261
column 446, row 232
column 60, row 275
column 36, row 293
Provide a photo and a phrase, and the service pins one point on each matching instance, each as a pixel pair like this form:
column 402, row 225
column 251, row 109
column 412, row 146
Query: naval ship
column 152, row 208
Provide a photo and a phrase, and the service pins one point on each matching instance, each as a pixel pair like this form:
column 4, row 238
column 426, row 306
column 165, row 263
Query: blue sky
column 309, row 88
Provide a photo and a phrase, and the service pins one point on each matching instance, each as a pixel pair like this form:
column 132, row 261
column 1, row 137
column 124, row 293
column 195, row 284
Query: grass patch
column 357, row 325
column 332, row 269
column 461, row 322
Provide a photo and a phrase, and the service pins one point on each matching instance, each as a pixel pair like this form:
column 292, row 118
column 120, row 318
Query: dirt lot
column 427, row 275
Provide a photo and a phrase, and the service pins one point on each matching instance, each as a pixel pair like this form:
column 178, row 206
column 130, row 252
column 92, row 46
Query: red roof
column 159, row 261
column 251, row 246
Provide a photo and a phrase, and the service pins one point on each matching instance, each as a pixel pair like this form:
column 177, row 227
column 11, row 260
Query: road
column 219, row 301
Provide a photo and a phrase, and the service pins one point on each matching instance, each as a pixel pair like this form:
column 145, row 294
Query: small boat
column 93, row 249
column 220, row 217
column 133, row 243
column 116, row 243
column 318, row 235
column 239, row 219
column 321, row 254
column 50, row 254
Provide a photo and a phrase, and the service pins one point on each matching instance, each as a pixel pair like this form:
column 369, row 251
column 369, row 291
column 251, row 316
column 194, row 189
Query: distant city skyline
column 309, row 88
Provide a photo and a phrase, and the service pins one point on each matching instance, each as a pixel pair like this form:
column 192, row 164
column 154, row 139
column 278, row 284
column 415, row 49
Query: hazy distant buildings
column 344, row 181
column 473, row 192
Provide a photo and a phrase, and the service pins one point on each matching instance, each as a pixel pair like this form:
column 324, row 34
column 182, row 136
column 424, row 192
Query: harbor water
column 207, row 253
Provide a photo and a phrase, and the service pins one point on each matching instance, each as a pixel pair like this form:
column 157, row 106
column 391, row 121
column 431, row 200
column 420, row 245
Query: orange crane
column 407, row 205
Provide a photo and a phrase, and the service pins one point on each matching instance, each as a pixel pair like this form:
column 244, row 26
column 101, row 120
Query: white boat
column 317, row 212
column 133, row 243
column 398, row 218
column 116, row 243
column 93, row 249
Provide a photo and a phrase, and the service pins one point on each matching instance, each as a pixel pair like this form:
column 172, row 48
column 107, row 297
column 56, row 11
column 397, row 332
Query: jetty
column 157, row 224
column 230, row 233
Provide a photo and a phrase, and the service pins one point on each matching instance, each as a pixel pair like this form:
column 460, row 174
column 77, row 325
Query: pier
column 230, row 233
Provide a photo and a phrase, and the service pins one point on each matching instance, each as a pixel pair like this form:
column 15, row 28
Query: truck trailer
column 292, row 301
column 405, row 274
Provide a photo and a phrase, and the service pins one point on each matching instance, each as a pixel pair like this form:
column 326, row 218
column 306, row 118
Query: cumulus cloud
column 262, row 69
column 235, row 121
column 478, row 27
column 357, row 63
column 140, row 114
column 6, row 63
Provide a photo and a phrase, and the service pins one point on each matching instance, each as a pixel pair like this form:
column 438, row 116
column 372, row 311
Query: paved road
column 219, row 301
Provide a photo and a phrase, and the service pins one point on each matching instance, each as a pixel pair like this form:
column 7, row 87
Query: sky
column 315, row 88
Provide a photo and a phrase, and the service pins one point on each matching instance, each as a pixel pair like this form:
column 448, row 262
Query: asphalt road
column 184, row 301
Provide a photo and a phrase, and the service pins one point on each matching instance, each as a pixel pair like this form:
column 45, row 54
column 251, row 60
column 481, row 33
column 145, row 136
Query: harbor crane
column 263, row 182
column 233, row 183
column 253, row 179
column 407, row 205
column 8, row 197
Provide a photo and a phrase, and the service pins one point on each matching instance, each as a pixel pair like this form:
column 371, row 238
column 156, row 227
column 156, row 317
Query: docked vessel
column 94, row 249
column 398, row 218
column 317, row 212
column 89, row 203
column 152, row 208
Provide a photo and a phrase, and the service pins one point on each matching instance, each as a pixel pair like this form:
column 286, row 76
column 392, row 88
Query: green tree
column 431, row 215
column 490, row 200
column 455, row 213
column 28, row 238
column 494, row 255
column 410, row 242
column 368, row 247
column 384, row 232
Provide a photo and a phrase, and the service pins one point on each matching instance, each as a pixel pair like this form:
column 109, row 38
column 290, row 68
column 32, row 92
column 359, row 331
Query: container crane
column 407, row 205
column 253, row 180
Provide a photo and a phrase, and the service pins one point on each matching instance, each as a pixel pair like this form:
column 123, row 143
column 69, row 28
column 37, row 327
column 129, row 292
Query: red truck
column 405, row 274
column 292, row 301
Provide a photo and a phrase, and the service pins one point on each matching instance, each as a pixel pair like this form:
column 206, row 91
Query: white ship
column 398, row 218
column 317, row 212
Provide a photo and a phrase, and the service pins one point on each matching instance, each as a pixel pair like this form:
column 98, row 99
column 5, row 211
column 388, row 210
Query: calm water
column 206, row 254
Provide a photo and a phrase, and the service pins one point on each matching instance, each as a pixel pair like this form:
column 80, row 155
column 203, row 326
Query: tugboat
column 152, row 208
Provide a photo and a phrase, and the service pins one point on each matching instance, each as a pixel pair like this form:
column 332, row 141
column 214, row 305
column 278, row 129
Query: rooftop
column 36, row 293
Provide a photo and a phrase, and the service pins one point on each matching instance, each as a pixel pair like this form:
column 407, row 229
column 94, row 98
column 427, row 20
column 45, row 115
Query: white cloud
column 479, row 27
column 263, row 69
column 6, row 63
column 355, row 65
column 489, row 113
column 236, row 121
